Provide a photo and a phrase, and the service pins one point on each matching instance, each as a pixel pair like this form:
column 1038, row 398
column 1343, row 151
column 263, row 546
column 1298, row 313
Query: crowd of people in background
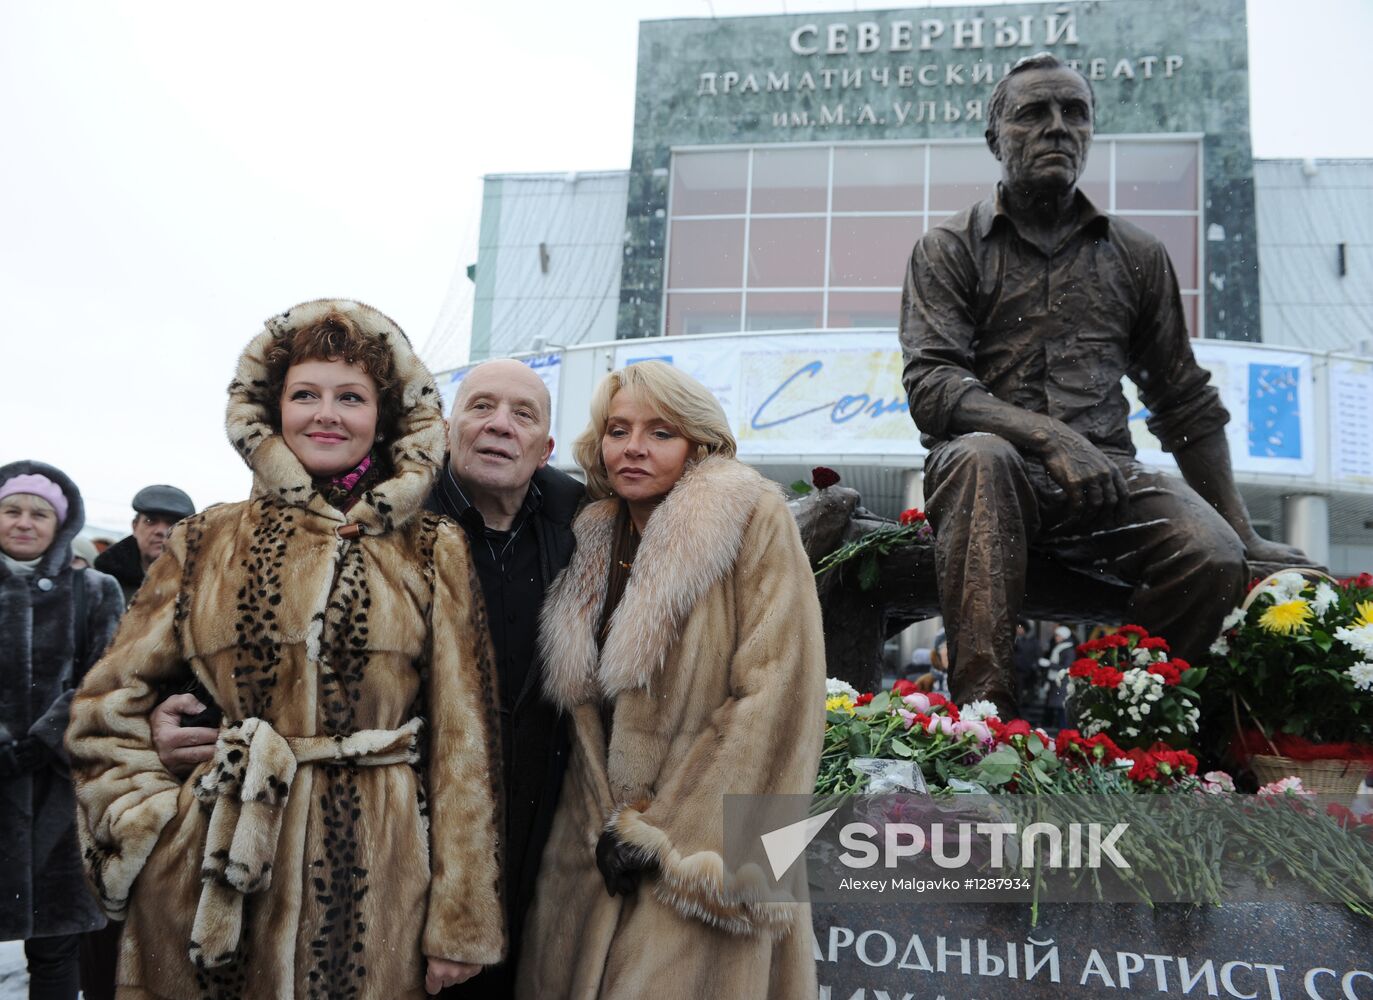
column 1041, row 656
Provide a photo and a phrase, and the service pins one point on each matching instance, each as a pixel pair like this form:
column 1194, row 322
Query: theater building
column 783, row 167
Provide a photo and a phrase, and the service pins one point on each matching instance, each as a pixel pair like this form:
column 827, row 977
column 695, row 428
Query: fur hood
column 690, row 544
column 416, row 454
column 58, row 558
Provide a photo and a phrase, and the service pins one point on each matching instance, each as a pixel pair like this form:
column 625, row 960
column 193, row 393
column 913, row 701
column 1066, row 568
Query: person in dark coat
column 156, row 510
column 517, row 512
column 54, row 623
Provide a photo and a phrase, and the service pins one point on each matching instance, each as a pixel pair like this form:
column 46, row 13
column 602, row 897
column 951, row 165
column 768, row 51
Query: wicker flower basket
column 1324, row 777
column 1336, row 777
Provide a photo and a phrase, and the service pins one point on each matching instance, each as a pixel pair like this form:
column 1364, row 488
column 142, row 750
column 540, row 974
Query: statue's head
column 1039, row 124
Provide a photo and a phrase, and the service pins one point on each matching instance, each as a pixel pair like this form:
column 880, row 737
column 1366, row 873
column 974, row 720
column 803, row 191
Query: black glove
column 621, row 866
column 22, row 756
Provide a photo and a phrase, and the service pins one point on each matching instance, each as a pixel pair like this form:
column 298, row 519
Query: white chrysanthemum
column 1221, row 647
column 1232, row 620
column 837, row 687
column 977, row 710
column 1362, row 676
column 1325, row 598
column 1358, row 638
column 1131, row 731
column 1285, row 587
column 1092, row 726
column 1141, row 657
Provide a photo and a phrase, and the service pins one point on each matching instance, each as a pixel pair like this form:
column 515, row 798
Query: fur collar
column 690, row 543
column 415, row 455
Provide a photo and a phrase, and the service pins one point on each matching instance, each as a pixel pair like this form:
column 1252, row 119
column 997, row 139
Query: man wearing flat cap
column 156, row 509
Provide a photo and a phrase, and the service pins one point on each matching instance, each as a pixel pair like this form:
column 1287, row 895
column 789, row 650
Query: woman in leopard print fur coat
column 342, row 842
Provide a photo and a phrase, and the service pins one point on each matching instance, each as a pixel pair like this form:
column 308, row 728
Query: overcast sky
column 172, row 173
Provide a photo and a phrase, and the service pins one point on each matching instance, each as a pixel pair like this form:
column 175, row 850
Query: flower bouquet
column 1127, row 684
column 911, row 526
column 1295, row 665
column 1193, row 834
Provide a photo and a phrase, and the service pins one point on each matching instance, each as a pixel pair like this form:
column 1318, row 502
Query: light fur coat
column 714, row 661
column 306, row 622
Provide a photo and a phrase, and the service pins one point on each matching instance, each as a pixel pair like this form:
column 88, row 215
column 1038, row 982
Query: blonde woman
column 684, row 640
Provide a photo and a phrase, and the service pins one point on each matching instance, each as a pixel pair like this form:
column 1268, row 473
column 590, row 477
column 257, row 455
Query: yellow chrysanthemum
column 1365, row 610
column 1287, row 618
column 839, row 703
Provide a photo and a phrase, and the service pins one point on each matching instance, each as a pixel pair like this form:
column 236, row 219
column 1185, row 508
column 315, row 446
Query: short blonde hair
column 680, row 399
column 32, row 502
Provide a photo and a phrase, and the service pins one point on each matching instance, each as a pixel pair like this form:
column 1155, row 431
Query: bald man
column 517, row 512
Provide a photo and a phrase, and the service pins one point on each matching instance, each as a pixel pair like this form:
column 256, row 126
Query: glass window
column 822, row 235
column 786, row 253
column 1095, row 181
column 871, row 251
column 1156, row 175
column 784, row 311
column 850, row 310
column 879, row 179
column 1191, row 307
column 706, row 253
column 709, row 183
column 703, row 312
column 1179, row 236
column 961, row 176
column 790, row 180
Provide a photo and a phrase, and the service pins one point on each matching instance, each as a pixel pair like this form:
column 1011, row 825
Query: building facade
column 783, row 167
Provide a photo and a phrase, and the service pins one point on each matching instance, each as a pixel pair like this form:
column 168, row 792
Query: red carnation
column 863, row 699
column 823, row 477
column 1170, row 673
column 1107, row 677
column 1115, row 641
column 1067, row 740
column 1154, row 642
column 1138, row 631
column 1145, row 768
column 1016, row 727
column 1362, row 581
column 905, row 687
column 912, row 516
column 1180, row 665
column 1090, row 646
column 1082, row 668
column 1102, row 748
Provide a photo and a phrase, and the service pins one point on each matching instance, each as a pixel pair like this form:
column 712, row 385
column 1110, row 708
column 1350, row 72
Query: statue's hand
column 1258, row 549
column 1094, row 484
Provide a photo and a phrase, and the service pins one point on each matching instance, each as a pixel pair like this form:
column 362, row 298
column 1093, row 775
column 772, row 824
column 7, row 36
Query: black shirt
column 507, row 563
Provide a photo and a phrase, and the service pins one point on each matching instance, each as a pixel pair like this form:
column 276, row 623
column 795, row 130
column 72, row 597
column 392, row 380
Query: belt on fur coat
column 248, row 783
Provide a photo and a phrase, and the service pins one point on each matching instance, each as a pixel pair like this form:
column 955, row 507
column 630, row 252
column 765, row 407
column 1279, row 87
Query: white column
column 1306, row 524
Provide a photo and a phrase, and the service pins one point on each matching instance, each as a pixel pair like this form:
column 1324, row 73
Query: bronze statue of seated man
column 1020, row 316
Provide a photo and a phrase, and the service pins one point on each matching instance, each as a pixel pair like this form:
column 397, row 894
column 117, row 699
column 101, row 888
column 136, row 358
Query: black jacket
column 124, row 562
column 540, row 742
